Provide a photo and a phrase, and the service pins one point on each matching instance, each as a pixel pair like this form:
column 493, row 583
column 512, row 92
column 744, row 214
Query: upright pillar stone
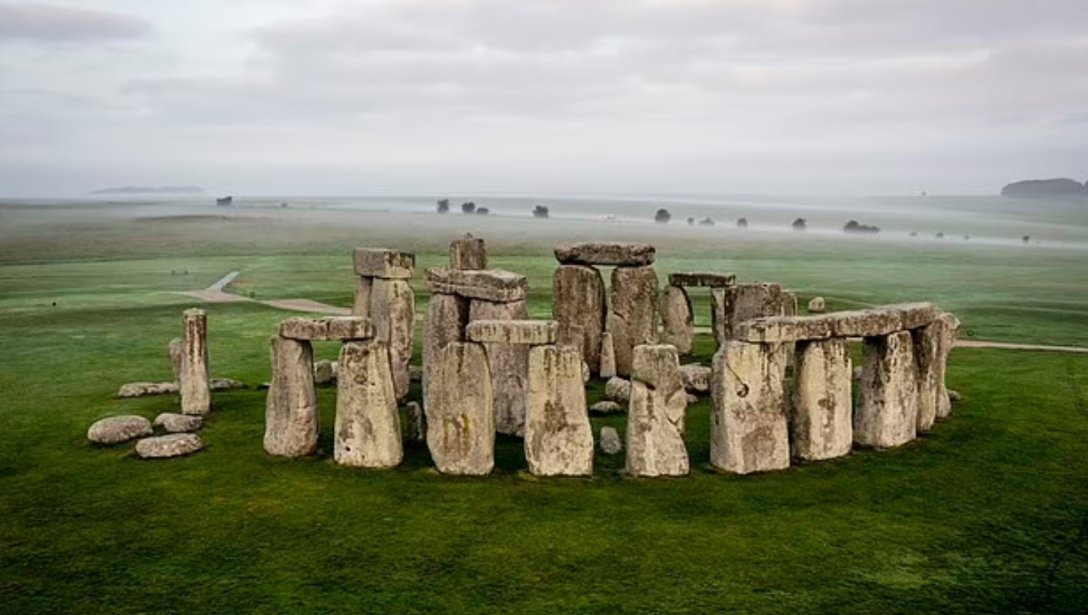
column 194, row 381
column 748, row 426
column 656, row 414
column 392, row 310
column 458, row 404
column 717, row 315
column 578, row 298
column 447, row 316
column 468, row 253
column 367, row 419
column 608, row 357
column 361, row 304
column 732, row 305
column 509, row 364
column 632, row 316
column 291, row 416
column 820, row 415
column 558, row 436
column 950, row 326
column 927, row 348
column 676, row 316
column 887, row 412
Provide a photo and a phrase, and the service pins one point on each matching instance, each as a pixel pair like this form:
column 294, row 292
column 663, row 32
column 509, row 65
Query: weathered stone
column 611, row 444
column 335, row 328
column 954, row 396
column 178, row 423
column 915, row 315
column 820, row 419
column 702, row 278
column 392, row 310
column 887, row 411
column 415, row 373
column 416, row 429
column 143, row 389
column 522, row 332
column 458, row 403
column 361, row 303
column 578, row 298
column 676, row 316
column 116, row 429
column 950, row 326
column 927, row 343
column 291, row 416
column 618, row 389
column 558, row 436
column 748, row 426
column 606, row 407
column 608, row 357
column 883, row 320
column 486, row 284
column 691, row 398
column 509, row 366
column 468, row 253
column 348, row 328
column 176, row 351
column 323, row 372
column 193, row 380
column 367, row 420
column 696, row 377
column 778, row 329
column 656, row 413
column 817, row 305
column 447, row 317
column 605, row 253
column 382, row 263
column 632, row 316
column 173, row 445
column 571, row 335
column 227, row 384
column 732, row 305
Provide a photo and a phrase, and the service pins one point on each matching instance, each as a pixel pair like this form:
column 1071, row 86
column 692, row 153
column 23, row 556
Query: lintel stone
column 606, row 253
column 495, row 285
column 527, row 332
column 702, row 278
column 335, row 328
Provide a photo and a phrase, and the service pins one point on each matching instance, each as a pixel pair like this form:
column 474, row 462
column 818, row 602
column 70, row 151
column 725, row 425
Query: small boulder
column 617, row 389
column 611, row 444
column 141, row 389
column 606, row 407
column 415, row 373
column 954, row 396
column 173, row 445
column 116, row 429
column 226, row 384
column 817, row 305
column 178, row 423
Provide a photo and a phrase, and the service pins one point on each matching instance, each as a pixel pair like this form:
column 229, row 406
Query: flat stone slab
column 383, row 263
column 526, row 332
column 777, row 329
column 883, row 320
column 116, row 429
column 606, row 253
column 173, row 422
column 607, row 407
column 142, row 389
column 702, row 278
column 487, row 284
column 333, row 328
column 173, row 445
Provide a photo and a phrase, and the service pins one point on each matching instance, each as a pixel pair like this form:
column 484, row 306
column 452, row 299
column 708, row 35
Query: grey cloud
column 48, row 23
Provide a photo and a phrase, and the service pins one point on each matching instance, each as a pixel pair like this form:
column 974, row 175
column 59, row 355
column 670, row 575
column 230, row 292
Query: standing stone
column 655, row 415
column 676, row 315
column 458, row 403
column 717, row 315
column 392, row 310
column 820, row 415
column 927, row 342
column 323, row 373
column 610, row 441
column 447, row 316
column 558, row 436
column 361, row 303
column 291, row 416
column 632, row 316
column 887, row 412
column 468, row 253
column 509, row 366
column 950, row 326
column 367, row 420
column 696, row 378
column 748, row 426
column 193, row 382
column 608, row 357
column 578, row 298
column 732, row 305
column 176, row 351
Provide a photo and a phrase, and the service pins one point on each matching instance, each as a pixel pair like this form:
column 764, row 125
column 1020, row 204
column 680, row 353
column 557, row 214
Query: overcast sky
column 542, row 96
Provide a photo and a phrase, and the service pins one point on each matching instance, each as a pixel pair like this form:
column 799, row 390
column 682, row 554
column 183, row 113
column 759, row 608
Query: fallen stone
column 519, row 332
column 336, row 328
column 486, row 284
column 323, row 372
column 696, row 378
column 677, row 319
column 509, row 366
column 779, row 329
column 618, row 389
column 417, row 424
column 748, row 425
column 458, row 403
column 226, row 384
column 468, row 253
column 608, row 357
column 367, row 421
column 578, row 298
column 291, row 415
column 611, row 444
column 142, row 389
column 176, row 351
column 558, row 436
column 392, row 310
column 632, row 316
column 887, row 409
column 605, row 253
column 606, row 407
column 193, row 380
column 173, row 445
column 178, row 423
column 817, row 305
column 116, row 429
column 382, row 263
column 820, row 415
column 656, row 413
column 702, row 278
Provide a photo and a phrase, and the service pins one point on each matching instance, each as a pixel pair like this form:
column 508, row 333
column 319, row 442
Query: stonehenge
column 383, row 293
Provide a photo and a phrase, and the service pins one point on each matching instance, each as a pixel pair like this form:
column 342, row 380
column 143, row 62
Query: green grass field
column 988, row 513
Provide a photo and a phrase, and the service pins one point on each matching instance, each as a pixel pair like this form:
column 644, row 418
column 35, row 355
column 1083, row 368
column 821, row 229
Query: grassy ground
column 988, row 513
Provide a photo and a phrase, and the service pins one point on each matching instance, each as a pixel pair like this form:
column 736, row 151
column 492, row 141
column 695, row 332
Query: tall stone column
column 194, row 381
column 887, row 412
column 367, row 420
column 509, row 366
column 447, row 316
column 291, row 416
column 820, row 415
column 632, row 316
column 460, row 419
column 748, row 426
column 677, row 318
column 384, row 293
column 950, row 326
column 656, row 414
column 578, row 298
column 558, row 436
column 927, row 349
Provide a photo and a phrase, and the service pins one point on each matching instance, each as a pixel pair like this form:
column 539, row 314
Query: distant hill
column 1060, row 188
column 150, row 190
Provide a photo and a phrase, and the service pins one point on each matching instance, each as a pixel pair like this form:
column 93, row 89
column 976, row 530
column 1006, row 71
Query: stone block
column 632, row 316
column 732, row 305
column 367, row 433
column 194, row 380
column 658, row 366
column 383, row 263
column 605, row 253
column 608, row 357
column 820, row 415
column 578, row 298
column 677, row 319
column 509, row 366
column 696, row 378
column 522, row 332
column 392, row 310
column 702, row 278
column 748, row 425
column 291, row 415
column 447, row 317
column 656, row 419
column 458, row 405
column 558, row 436
column 487, row 284
column 887, row 411
column 784, row 329
column 468, row 253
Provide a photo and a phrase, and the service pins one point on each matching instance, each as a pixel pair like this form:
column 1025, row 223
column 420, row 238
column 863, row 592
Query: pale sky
column 542, row 96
